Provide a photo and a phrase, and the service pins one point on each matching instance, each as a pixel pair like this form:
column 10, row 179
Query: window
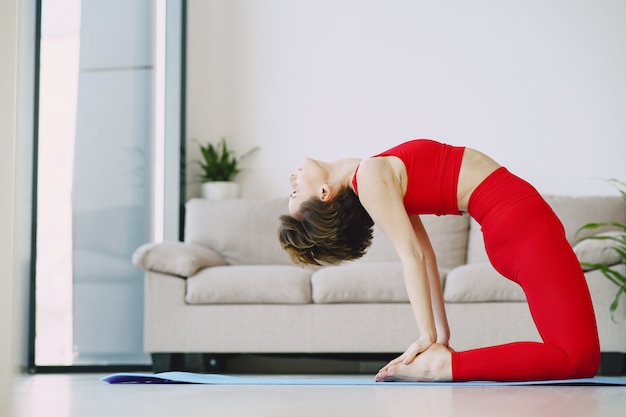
column 103, row 153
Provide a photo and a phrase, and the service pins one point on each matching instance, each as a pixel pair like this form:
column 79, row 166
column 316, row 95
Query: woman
column 334, row 205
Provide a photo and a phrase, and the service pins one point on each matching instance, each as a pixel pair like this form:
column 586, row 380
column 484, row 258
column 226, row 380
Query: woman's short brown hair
column 327, row 232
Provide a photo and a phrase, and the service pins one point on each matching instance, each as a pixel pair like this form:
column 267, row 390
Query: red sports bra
column 432, row 176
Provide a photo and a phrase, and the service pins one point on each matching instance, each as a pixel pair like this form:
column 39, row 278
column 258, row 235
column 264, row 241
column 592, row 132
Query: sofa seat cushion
column 374, row 282
column 480, row 282
column 250, row 284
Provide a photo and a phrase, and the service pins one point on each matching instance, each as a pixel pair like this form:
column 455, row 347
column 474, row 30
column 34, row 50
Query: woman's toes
column 382, row 374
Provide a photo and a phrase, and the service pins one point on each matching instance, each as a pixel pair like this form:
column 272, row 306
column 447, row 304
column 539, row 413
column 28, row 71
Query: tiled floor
column 79, row 395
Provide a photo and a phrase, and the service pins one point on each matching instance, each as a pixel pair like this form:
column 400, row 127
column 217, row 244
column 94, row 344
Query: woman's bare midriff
column 475, row 167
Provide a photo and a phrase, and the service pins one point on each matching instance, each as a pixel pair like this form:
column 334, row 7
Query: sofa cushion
column 476, row 252
column 359, row 282
column 480, row 283
column 243, row 231
column 573, row 211
column 175, row 258
column 448, row 235
column 250, row 284
column 599, row 251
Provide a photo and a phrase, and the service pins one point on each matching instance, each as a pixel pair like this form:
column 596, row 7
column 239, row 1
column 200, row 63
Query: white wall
column 539, row 85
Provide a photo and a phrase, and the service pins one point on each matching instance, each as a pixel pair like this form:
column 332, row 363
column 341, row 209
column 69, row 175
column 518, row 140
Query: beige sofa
column 230, row 288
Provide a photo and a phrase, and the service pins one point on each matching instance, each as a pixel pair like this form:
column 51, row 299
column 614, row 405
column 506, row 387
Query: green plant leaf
column 614, row 276
column 593, row 226
column 619, row 186
column 616, row 243
column 620, row 251
column 219, row 163
column 615, row 303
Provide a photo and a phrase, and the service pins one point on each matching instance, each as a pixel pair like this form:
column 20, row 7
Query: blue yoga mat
column 216, row 379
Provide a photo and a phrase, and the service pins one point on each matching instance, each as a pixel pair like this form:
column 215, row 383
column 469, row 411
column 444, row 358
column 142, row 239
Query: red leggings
column 525, row 242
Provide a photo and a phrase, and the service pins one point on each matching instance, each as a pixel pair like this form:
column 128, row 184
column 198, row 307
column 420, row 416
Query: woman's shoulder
column 383, row 163
column 381, row 171
column 380, row 165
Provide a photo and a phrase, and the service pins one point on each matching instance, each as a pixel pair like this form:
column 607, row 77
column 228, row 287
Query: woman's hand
column 433, row 364
column 411, row 353
column 415, row 349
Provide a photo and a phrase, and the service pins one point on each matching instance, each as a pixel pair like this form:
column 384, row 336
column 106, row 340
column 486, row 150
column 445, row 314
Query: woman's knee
column 586, row 364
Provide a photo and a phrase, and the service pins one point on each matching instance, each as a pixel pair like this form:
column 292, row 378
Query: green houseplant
column 613, row 241
column 220, row 165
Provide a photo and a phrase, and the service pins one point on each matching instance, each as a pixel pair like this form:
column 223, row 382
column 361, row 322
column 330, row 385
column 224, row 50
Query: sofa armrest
column 597, row 249
column 176, row 258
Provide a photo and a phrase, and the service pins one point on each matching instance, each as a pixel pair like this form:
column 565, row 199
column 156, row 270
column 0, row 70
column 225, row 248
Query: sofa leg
column 612, row 364
column 214, row 363
column 163, row 362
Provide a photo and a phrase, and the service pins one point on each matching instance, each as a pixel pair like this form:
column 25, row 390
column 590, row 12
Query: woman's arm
column 381, row 193
column 436, row 293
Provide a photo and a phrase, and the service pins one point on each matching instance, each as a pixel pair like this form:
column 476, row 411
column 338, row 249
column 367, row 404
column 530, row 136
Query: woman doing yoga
column 334, row 205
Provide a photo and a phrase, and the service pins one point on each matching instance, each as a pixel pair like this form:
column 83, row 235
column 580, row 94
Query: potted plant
column 219, row 166
column 614, row 241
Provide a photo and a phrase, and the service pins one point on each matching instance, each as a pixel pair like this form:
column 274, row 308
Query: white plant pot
column 220, row 190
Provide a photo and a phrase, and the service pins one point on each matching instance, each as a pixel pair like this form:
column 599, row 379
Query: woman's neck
column 340, row 172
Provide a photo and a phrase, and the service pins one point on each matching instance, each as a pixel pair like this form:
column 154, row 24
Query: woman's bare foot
column 434, row 364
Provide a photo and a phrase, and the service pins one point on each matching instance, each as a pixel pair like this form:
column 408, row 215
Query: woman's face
column 306, row 182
